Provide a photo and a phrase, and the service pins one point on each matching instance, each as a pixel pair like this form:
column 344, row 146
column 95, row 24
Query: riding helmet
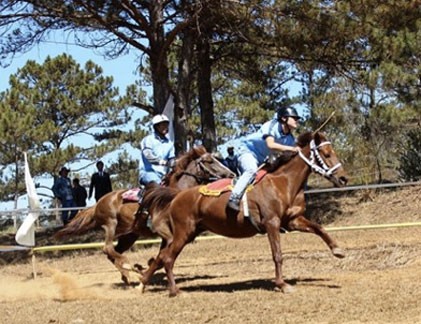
column 157, row 119
column 287, row 112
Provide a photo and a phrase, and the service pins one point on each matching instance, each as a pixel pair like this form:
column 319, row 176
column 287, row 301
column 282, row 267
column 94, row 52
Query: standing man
column 231, row 161
column 62, row 190
column 100, row 181
column 79, row 193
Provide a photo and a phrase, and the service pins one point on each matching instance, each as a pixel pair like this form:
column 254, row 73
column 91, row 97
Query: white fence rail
column 17, row 215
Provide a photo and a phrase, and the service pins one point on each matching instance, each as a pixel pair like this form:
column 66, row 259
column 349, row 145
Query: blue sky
column 121, row 69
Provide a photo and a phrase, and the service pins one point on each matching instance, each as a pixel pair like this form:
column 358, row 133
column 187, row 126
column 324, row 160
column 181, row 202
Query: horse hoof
column 338, row 252
column 126, row 266
column 174, row 293
column 141, row 287
column 285, row 288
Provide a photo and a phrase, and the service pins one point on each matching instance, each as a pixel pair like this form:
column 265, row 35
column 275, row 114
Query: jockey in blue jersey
column 274, row 135
column 158, row 153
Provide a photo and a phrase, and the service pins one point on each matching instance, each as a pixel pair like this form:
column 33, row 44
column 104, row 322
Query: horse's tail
column 81, row 223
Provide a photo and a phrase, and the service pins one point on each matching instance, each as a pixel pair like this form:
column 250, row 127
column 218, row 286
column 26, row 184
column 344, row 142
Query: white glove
column 163, row 162
column 171, row 163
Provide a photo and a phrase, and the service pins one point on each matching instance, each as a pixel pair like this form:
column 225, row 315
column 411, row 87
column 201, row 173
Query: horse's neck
column 187, row 179
column 296, row 171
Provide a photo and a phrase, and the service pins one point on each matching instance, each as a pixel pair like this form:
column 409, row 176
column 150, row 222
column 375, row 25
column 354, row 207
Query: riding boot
column 239, row 189
column 141, row 209
column 140, row 194
column 234, row 203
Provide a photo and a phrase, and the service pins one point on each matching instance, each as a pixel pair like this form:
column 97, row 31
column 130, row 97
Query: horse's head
column 211, row 168
column 323, row 159
column 196, row 167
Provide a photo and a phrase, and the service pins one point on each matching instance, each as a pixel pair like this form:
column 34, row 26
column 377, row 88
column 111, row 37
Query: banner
column 169, row 112
column 26, row 232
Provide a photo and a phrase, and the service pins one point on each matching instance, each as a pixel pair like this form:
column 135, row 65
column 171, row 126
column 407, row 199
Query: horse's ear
column 317, row 139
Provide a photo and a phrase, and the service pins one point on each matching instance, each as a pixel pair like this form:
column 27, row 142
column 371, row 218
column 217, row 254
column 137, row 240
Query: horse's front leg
column 119, row 261
column 272, row 228
column 302, row 224
column 154, row 265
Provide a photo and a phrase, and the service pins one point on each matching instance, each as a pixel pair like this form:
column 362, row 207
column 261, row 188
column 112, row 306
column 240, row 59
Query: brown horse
column 276, row 202
column 117, row 216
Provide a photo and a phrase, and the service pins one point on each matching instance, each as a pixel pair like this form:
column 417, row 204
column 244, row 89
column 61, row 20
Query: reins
column 316, row 163
column 202, row 168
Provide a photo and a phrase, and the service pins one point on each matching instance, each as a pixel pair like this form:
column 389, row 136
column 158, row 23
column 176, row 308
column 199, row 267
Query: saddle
column 221, row 186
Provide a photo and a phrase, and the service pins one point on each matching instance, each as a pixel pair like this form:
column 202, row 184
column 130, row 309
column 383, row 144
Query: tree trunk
column 205, row 94
column 158, row 58
column 182, row 100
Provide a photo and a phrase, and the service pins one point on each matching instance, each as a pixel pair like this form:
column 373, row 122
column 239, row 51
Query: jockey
column 158, row 153
column 274, row 135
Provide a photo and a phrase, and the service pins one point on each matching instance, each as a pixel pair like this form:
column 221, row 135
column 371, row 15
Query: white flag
column 169, row 112
column 26, row 232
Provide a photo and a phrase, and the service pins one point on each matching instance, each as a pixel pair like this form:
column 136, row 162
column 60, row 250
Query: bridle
column 203, row 171
column 316, row 163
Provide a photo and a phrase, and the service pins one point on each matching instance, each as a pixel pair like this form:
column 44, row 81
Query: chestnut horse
column 117, row 216
column 276, row 202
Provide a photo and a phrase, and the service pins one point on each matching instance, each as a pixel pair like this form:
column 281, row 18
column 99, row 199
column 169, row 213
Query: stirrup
column 234, row 204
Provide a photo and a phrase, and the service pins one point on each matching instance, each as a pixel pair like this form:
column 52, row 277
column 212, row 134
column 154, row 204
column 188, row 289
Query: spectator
column 231, row 161
column 79, row 193
column 62, row 190
column 100, row 181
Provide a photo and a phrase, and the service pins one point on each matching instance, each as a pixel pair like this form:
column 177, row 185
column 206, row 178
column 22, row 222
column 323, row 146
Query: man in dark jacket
column 100, row 181
column 231, row 161
column 62, row 190
column 79, row 193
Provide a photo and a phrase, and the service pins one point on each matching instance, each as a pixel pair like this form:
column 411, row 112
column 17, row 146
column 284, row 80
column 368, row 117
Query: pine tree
column 63, row 113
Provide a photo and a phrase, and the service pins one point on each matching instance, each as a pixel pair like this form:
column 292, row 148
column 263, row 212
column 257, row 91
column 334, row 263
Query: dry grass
column 226, row 280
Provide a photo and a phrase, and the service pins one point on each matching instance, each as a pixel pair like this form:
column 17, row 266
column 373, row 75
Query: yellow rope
column 65, row 247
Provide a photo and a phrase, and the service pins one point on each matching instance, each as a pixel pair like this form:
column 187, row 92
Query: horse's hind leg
column 124, row 243
column 302, row 224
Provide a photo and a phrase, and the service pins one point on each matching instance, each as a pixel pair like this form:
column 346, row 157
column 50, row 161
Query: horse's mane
column 304, row 139
column 279, row 159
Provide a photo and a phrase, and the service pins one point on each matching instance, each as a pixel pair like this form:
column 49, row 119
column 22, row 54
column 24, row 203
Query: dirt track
column 226, row 280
